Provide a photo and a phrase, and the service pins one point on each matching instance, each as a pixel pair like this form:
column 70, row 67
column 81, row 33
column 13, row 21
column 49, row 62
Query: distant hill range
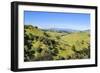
column 65, row 30
column 87, row 30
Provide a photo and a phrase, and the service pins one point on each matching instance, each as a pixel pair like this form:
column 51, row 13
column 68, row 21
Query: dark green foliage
column 58, row 37
column 47, row 35
column 36, row 27
column 82, row 54
column 39, row 50
column 73, row 48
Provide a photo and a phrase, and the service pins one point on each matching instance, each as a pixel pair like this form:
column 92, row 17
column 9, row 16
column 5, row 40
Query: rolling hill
column 55, row 44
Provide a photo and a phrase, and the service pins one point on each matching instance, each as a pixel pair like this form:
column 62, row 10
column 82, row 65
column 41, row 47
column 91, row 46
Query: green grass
column 74, row 37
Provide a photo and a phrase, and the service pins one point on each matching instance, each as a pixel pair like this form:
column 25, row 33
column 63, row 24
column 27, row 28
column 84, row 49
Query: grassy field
column 42, row 45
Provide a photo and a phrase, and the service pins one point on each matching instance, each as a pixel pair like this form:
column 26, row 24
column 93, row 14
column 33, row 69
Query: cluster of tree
column 81, row 54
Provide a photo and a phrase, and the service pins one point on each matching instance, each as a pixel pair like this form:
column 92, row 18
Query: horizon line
column 58, row 28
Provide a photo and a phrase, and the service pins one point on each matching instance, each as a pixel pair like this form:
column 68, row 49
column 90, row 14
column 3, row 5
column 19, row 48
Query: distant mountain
column 62, row 30
column 88, row 30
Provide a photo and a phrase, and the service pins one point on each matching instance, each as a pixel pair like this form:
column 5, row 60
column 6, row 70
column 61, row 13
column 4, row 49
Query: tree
column 58, row 37
column 73, row 48
column 36, row 27
column 47, row 35
column 82, row 42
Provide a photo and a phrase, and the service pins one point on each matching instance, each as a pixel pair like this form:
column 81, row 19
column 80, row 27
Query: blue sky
column 76, row 21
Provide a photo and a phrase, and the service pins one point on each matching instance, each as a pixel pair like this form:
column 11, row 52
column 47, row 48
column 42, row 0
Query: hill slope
column 42, row 45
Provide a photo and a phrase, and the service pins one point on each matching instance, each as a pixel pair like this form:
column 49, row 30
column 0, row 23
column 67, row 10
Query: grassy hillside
column 40, row 45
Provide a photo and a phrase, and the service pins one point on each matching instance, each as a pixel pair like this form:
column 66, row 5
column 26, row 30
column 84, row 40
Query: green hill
column 40, row 45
